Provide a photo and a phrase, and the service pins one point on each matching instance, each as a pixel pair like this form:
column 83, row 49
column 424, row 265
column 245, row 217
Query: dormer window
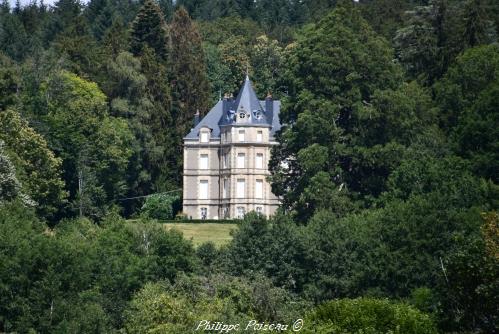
column 204, row 136
column 257, row 114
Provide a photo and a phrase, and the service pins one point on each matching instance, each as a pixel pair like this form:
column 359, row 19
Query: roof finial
column 219, row 95
column 247, row 71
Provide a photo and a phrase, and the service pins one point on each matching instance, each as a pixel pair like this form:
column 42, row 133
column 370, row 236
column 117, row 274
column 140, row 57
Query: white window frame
column 259, row 160
column 259, row 136
column 241, row 135
column 259, row 209
column 204, row 136
column 204, row 161
column 204, row 189
column 241, row 160
column 241, row 188
column 259, row 189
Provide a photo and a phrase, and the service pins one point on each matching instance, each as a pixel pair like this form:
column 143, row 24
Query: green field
column 219, row 234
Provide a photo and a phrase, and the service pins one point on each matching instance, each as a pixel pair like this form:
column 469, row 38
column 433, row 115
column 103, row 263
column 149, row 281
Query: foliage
column 9, row 185
column 37, row 168
column 267, row 60
column 349, row 117
column 92, row 144
column 274, row 247
column 438, row 31
column 154, row 310
column 189, row 81
column 386, row 164
column 162, row 206
column 179, row 308
column 367, row 315
column 9, row 82
column 79, row 276
column 467, row 98
column 235, row 58
column 470, row 284
column 149, row 30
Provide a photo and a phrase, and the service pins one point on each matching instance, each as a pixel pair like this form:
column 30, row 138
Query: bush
column 200, row 221
column 367, row 316
column 162, row 206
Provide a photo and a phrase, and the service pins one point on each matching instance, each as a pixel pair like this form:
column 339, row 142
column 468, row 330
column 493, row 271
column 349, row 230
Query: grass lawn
column 219, row 234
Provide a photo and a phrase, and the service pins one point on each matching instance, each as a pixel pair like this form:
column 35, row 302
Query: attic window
column 257, row 114
column 205, row 137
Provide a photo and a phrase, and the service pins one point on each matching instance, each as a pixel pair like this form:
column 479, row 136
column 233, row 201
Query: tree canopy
column 386, row 165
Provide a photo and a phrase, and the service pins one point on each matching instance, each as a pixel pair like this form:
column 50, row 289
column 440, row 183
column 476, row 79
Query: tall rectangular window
column 241, row 135
column 203, row 189
column 240, row 160
column 203, row 161
column 259, row 160
column 259, row 210
column 225, row 159
column 225, row 188
column 259, row 136
column 241, row 211
column 204, row 137
column 241, row 188
column 259, row 189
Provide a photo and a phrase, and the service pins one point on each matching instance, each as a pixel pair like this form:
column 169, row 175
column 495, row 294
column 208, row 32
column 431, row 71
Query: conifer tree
column 189, row 83
column 149, row 41
column 149, row 29
column 475, row 24
column 163, row 163
column 64, row 14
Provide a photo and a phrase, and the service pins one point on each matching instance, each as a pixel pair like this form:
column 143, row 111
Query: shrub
column 162, row 206
column 367, row 316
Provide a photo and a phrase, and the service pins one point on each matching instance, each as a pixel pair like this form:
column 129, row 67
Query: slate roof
column 264, row 113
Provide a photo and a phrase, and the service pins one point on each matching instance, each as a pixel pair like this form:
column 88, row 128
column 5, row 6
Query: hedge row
column 200, row 221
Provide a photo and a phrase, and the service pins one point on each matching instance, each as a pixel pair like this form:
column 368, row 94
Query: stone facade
column 226, row 158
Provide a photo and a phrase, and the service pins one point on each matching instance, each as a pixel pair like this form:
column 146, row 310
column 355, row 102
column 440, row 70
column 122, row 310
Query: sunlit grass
column 219, row 234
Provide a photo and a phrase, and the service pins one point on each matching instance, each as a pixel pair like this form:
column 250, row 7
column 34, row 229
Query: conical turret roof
column 245, row 110
column 247, row 100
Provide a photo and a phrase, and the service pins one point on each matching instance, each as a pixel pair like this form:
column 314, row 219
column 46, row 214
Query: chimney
column 196, row 118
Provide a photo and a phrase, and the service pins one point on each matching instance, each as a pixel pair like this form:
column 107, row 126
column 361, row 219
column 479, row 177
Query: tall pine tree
column 190, row 90
column 149, row 41
column 149, row 29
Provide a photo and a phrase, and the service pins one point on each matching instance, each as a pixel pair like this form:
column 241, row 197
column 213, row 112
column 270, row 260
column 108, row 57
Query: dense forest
column 387, row 165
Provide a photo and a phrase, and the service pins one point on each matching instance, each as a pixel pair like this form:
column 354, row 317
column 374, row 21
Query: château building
column 226, row 158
